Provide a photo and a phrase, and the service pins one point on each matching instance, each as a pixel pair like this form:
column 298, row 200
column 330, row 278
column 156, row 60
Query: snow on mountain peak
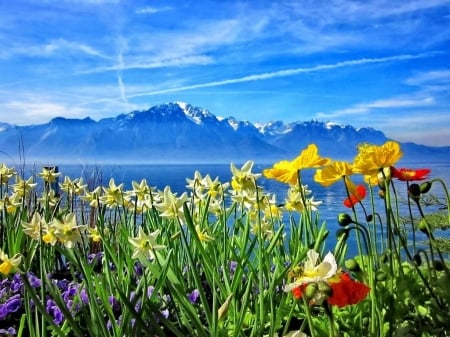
column 195, row 114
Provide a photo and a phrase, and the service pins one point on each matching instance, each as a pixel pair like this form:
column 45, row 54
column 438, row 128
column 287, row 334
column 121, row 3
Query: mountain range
column 181, row 133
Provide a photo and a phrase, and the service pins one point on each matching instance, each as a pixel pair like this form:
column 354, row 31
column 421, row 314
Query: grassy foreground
column 226, row 258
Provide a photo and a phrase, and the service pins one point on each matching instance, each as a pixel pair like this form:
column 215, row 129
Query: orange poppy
column 355, row 197
column 405, row 174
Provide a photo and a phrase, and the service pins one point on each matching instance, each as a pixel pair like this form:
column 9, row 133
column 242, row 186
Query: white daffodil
column 313, row 271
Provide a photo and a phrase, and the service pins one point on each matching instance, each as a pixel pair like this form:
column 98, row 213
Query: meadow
column 227, row 258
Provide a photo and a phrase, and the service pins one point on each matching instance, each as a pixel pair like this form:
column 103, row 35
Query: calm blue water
column 175, row 176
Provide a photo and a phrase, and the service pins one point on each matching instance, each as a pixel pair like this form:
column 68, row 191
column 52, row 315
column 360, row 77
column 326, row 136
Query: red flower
column 357, row 196
column 347, row 291
column 405, row 174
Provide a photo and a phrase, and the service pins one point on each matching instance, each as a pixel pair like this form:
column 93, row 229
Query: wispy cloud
column 366, row 108
column 54, row 48
column 285, row 73
column 153, row 10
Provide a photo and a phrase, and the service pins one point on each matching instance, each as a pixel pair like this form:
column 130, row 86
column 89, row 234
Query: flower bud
column 384, row 177
column 423, row 226
column 325, row 288
column 425, row 187
column 311, row 291
column 417, row 260
column 344, row 219
column 381, row 194
column 438, row 265
column 352, row 265
column 369, row 218
column 414, row 192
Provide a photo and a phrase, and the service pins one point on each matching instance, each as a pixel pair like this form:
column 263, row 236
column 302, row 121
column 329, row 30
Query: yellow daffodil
column 203, row 235
column 92, row 197
column 313, row 271
column 67, row 231
column 243, row 178
column 93, row 234
column 6, row 173
column 49, row 198
column 295, row 202
column 145, row 245
column 287, row 171
column 35, row 227
column 49, row 174
column 371, row 159
column 141, row 190
column 171, row 206
column 11, row 203
column 113, row 194
column 7, row 264
column 23, row 187
column 75, row 186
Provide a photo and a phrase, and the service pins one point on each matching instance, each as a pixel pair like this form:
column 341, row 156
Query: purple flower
column 194, row 296
column 8, row 332
column 233, row 266
column 55, row 311
column 114, row 303
column 84, row 296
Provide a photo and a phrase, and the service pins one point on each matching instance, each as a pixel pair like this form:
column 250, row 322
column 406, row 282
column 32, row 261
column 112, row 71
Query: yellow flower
column 294, row 201
column 49, row 174
column 145, row 245
column 9, row 264
column 6, row 173
column 67, row 231
column 333, row 173
column 141, row 190
column 75, row 186
column 23, row 187
column 93, row 234
column 114, row 195
column 35, row 227
column 92, row 197
column 11, row 203
column 203, row 235
column 287, row 171
column 171, row 206
column 243, row 178
column 313, row 271
column 371, row 158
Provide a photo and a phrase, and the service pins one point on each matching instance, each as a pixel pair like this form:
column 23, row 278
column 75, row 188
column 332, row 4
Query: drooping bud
column 369, row 218
column 414, row 192
column 311, row 291
column 352, row 265
column 438, row 265
column 417, row 260
column 381, row 194
column 425, row 187
column 344, row 219
column 325, row 288
column 424, row 227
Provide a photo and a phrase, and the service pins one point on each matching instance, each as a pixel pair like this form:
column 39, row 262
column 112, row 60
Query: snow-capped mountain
column 180, row 132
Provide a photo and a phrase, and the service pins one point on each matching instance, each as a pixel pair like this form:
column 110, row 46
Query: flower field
column 226, row 258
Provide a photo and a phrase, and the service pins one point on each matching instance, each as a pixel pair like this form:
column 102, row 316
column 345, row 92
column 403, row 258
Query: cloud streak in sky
column 285, row 73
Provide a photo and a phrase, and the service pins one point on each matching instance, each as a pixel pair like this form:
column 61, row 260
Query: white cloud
column 31, row 112
column 390, row 103
column 54, row 48
column 153, row 10
column 283, row 73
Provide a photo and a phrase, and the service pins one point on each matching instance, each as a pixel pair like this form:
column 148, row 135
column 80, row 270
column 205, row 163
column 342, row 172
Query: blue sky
column 384, row 64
